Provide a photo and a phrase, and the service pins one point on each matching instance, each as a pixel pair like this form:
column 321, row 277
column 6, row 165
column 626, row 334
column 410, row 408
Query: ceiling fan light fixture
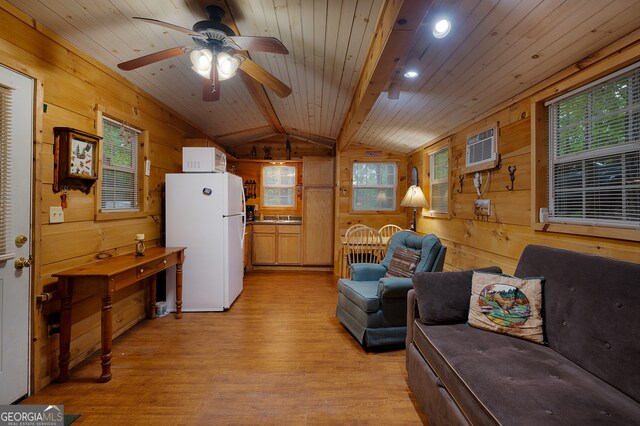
column 412, row 68
column 227, row 65
column 441, row 28
column 201, row 61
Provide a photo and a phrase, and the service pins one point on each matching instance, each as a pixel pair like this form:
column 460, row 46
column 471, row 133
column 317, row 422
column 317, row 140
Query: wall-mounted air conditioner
column 203, row 160
column 482, row 150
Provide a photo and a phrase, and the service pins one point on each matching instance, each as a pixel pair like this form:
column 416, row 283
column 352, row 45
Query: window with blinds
column 278, row 186
column 373, row 186
column 439, row 181
column 5, row 157
column 594, row 153
column 119, row 167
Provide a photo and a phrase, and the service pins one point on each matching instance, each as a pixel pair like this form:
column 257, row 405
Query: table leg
column 152, row 296
column 106, row 337
column 178, row 290
column 64, row 291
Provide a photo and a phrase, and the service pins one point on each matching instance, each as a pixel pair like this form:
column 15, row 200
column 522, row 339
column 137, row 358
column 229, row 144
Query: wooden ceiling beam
column 398, row 24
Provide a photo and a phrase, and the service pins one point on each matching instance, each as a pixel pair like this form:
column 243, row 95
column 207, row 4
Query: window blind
column 439, row 181
column 279, row 186
column 373, row 186
column 119, row 167
column 5, row 176
column 594, row 154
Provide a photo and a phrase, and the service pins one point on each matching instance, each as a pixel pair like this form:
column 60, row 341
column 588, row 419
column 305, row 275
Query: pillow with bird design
column 507, row 305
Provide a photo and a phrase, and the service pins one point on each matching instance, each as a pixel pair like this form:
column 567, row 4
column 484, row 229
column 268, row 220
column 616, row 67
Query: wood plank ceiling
column 496, row 49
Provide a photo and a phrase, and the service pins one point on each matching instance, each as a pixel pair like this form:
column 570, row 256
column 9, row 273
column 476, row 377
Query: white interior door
column 16, row 140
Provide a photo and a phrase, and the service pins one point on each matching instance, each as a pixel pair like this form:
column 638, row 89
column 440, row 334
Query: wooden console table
column 103, row 279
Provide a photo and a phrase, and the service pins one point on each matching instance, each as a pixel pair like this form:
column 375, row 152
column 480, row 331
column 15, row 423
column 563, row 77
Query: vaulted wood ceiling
column 343, row 56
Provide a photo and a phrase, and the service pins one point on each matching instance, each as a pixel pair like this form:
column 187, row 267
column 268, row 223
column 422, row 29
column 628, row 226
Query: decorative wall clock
column 75, row 156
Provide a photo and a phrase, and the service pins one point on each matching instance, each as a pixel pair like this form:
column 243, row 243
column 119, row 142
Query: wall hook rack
column 512, row 176
column 460, row 179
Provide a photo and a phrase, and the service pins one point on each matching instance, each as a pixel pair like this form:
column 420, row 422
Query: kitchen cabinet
column 317, row 171
column 288, row 245
column 276, row 244
column 318, row 211
column 247, row 250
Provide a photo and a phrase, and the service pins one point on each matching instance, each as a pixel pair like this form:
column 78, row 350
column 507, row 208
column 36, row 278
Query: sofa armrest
column 412, row 309
column 394, row 287
column 367, row 271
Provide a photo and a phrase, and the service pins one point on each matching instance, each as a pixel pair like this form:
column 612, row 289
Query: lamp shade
column 201, row 61
column 414, row 198
column 227, row 65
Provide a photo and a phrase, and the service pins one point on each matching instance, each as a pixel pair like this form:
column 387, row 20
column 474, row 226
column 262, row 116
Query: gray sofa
column 588, row 373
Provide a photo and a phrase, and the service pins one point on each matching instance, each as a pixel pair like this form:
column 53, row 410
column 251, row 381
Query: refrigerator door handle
column 244, row 218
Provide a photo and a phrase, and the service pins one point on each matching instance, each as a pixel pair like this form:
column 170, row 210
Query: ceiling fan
column 215, row 57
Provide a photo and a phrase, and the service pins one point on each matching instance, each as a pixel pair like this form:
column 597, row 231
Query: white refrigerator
column 205, row 213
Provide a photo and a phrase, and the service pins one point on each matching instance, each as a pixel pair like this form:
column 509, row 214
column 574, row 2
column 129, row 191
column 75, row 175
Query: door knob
column 21, row 262
column 21, row 240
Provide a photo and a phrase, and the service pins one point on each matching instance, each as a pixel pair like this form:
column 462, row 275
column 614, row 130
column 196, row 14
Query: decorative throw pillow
column 508, row 305
column 403, row 262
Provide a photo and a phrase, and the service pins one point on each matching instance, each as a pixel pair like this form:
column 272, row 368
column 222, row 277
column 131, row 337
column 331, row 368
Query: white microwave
column 203, row 160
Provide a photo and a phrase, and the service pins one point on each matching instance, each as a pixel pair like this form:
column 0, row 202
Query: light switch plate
column 147, row 168
column 56, row 215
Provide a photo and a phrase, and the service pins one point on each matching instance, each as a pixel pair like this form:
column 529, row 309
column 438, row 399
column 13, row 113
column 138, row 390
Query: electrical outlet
column 56, row 215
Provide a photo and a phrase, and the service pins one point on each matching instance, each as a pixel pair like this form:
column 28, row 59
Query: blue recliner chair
column 374, row 307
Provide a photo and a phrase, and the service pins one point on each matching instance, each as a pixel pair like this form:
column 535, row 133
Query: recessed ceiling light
column 441, row 28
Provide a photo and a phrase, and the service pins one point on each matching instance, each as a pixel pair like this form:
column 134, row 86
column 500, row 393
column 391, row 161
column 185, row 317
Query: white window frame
column 279, row 186
column 132, row 170
column 596, row 153
column 434, row 182
column 355, row 186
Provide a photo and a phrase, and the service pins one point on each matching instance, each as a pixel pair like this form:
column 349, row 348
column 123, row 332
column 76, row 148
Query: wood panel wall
column 501, row 238
column 70, row 87
column 345, row 217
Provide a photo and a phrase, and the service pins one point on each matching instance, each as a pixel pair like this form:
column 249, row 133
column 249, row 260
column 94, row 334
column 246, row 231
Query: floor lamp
column 414, row 198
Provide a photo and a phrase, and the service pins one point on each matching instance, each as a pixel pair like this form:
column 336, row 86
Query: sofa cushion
column 591, row 311
column 443, row 297
column 502, row 379
column 363, row 294
column 403, row 262
column 429, row 244
column 508, row 305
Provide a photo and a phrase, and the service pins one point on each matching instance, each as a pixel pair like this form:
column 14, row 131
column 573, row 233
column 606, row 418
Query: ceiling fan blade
column 265, row 78
column 211, row 87
column 258, row 44
column 170, row 26
column 154, row 57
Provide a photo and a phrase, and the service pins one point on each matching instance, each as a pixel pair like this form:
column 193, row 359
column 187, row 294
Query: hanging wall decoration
column 75, row 159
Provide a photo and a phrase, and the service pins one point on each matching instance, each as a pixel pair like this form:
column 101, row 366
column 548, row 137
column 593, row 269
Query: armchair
column 374, row 307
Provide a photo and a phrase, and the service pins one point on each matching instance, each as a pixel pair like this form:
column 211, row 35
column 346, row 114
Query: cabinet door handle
column 164, row 261
column 141, row 270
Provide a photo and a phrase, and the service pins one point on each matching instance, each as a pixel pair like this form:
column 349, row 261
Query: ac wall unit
column 482, row 150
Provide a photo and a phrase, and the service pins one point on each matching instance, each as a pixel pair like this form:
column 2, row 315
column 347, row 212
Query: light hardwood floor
column 278, row 356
